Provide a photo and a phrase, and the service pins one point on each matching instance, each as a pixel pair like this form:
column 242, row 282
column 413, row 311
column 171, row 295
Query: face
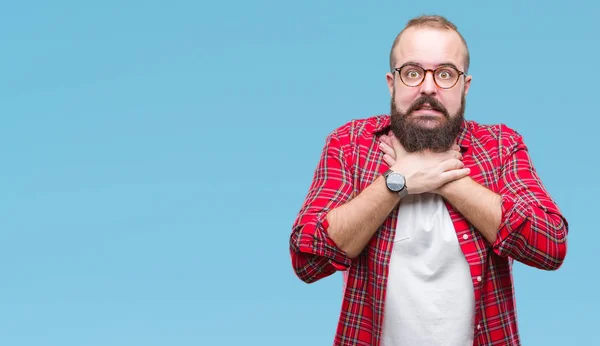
column 428, row 116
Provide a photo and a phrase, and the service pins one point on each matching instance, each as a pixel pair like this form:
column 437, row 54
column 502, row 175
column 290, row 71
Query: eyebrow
column 439, row 65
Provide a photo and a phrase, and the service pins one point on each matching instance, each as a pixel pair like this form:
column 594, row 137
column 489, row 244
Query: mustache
column 433, row 103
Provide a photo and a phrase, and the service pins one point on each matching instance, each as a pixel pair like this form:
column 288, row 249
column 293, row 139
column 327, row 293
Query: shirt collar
column 464, row 137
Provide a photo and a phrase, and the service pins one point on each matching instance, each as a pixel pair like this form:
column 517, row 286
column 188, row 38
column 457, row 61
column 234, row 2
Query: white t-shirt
column 429, row 297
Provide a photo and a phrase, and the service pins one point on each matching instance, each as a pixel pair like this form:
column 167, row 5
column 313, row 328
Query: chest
column 367, row 164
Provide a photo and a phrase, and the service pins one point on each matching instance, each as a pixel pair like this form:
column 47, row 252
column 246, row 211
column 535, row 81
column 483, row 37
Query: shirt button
column 465, row 237
column 479, row 279
column 479, row 326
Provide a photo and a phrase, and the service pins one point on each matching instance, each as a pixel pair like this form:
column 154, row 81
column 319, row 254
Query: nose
column 428, row 86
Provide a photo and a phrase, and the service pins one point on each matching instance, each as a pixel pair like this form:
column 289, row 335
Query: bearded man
column 425, row 211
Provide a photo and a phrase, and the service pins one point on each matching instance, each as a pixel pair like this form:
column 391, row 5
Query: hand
column 424, row 171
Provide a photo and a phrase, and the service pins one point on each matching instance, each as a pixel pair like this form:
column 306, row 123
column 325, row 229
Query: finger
column 398, row 148
column 456, row 147
column 454, row 175
column 387, row 149
column 389, row 160
column 454, row 155
column 386, row 139
column 451, row 164
column 450, row 154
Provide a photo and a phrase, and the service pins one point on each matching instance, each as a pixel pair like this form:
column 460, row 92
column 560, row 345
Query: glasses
column 444, row 77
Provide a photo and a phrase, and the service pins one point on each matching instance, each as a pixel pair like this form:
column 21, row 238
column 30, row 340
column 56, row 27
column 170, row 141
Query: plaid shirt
column 532, row 229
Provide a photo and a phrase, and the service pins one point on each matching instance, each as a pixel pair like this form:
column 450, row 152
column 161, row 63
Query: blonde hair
column 430, row 21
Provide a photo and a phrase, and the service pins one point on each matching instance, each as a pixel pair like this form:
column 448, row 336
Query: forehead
column 430, row 47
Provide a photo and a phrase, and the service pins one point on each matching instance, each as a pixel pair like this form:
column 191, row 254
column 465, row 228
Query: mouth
column 426, row 110
column 427, row 106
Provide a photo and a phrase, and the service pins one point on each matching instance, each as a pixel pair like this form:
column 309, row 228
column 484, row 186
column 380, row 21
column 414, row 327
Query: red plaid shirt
column 532, row 229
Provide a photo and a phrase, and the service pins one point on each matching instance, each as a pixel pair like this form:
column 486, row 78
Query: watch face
column 395, row 182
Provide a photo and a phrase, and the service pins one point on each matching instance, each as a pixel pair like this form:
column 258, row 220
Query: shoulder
column 500, row 136
column 361, row 128
column 493, row 132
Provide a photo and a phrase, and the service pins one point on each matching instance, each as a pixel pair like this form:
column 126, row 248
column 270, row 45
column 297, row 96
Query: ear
column 467, row 84
column 390, row 82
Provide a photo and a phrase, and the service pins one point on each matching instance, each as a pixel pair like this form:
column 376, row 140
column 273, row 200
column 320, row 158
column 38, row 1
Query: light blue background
column 155, row 154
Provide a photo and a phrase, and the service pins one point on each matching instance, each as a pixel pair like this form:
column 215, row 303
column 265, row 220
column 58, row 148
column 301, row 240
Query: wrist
column 451, row 188
column 395, row 182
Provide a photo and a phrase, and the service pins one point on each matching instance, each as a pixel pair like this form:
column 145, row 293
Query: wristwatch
column 396, row 182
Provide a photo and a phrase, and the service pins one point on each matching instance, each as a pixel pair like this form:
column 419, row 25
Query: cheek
column 451, row 102
column 405, row 99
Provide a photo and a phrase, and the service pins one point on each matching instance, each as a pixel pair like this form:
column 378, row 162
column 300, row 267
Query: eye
column 413, row 74
column 446, row 74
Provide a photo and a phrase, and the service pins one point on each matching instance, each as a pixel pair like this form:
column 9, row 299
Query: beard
column 415, row 137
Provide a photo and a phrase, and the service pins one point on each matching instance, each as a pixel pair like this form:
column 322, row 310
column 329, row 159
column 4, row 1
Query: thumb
column 398, row 148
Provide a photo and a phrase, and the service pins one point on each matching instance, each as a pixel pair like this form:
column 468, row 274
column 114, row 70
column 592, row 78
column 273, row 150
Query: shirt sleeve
column 314, row 254
column 532, row 229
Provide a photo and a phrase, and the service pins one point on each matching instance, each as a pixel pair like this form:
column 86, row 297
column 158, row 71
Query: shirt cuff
column 317, row 241
column 513, row 216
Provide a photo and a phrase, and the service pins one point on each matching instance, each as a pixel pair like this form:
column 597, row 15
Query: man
column 425, row 211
